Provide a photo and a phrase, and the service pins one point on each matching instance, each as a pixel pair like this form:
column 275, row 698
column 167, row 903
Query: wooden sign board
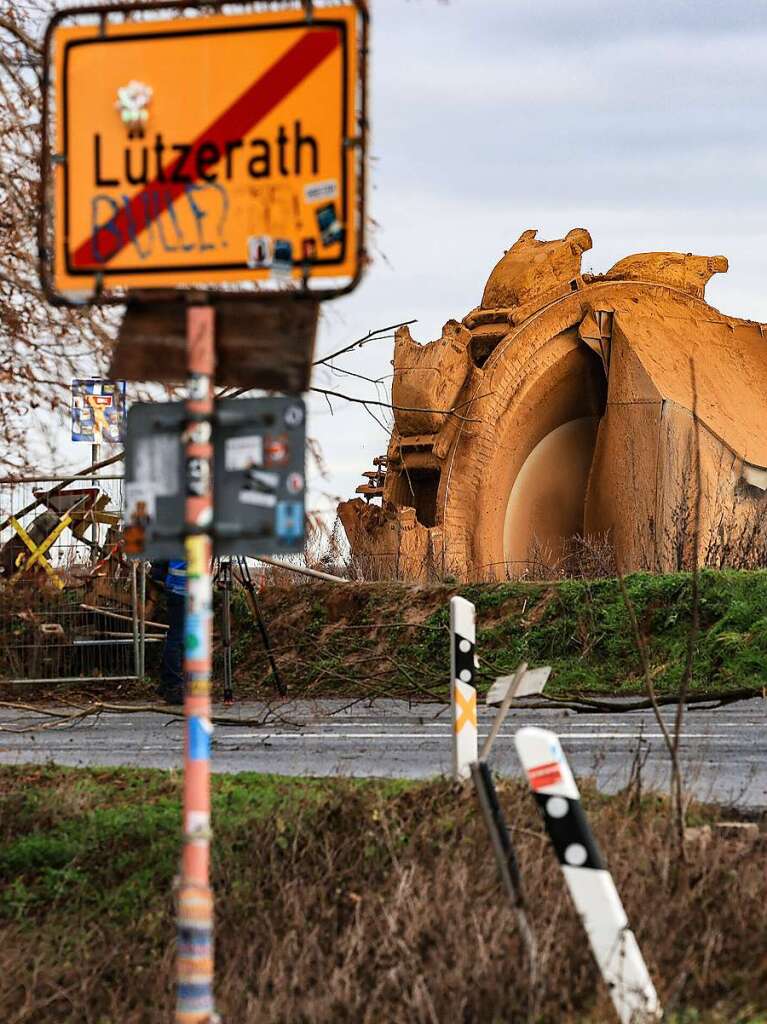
column 267, row 344
column 205, row 151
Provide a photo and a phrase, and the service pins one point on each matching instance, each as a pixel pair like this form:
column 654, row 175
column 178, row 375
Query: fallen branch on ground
column 586, row 705
column 60, row 718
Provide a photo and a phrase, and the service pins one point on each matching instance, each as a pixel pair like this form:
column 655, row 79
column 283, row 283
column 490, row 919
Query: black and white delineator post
column 463, row 695
column 591, row 885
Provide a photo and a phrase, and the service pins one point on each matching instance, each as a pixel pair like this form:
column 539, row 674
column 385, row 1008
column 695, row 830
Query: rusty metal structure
column 618, row 405
column 72, row 608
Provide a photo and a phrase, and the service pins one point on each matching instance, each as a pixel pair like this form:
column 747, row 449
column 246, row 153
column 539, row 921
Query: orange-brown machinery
column 571, row 405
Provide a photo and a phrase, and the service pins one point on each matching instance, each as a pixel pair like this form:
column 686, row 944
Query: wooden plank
column 123, row 618
column 267, row 343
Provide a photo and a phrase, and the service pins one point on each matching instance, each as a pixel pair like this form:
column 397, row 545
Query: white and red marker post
column 591, row 885
column 194, row 942
column 463, row 695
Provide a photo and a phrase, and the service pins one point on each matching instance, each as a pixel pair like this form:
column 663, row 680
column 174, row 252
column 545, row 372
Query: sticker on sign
column 207, row 149
column 157, row 464
column 98, row 410
column 260, row 488
column 244, row 452
column 139, row 500
column 321, row 190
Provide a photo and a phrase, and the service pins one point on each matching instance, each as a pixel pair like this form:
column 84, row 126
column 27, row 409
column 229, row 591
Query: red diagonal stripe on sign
column 258, row 100
column 544, row 775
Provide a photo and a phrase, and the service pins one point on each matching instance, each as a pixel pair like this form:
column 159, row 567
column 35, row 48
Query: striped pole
column 591, row 885
column 463, row 695
column 194, row 950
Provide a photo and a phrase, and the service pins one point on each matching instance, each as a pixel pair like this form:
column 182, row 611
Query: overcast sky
column 642, row 122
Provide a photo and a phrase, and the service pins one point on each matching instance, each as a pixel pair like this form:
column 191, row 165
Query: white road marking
column 221, row 735
column 630, row 730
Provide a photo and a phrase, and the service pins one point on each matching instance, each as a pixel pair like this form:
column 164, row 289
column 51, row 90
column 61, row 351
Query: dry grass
column 366, row 903
column 590, row 557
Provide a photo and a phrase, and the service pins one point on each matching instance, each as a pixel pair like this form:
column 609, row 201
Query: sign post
column 591, row 885
column 463, row 694
column 207, row 172
column 194, row 950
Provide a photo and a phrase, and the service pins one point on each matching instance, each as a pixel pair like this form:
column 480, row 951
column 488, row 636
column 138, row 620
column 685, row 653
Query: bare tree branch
column 402, row 408
column 14, row 29
column 41, row 347
column 370, row 336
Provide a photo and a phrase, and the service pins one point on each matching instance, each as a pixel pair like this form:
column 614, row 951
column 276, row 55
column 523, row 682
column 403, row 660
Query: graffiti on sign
column 247, row 169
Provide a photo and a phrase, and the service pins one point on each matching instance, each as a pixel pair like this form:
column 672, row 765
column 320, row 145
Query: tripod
column 225, row 578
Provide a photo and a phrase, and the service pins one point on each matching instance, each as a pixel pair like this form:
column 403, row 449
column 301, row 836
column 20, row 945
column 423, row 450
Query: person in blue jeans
column 172, row 575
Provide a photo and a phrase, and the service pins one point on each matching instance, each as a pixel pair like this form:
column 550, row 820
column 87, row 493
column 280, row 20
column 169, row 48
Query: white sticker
column 293, row 416
column 197, row 823
column 244, row 452
column 294, row 483
column 316, row 191
column 200, row 433
column 197, row 386
column 258, row 498
column 263, row 480
column 260, row 488
column 140, row 500
column 259, row 251
column 156, row 464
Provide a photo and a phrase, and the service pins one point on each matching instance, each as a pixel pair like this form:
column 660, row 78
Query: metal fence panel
column 83, row 618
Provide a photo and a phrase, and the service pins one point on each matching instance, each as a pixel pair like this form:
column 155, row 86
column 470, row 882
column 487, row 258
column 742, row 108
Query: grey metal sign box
column 258, row 476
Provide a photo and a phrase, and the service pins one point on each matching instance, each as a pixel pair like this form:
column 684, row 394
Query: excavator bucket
column 617, row 409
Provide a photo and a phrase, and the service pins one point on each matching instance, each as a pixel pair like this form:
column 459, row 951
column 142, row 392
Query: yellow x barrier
column 468, row 709
column 37, row 551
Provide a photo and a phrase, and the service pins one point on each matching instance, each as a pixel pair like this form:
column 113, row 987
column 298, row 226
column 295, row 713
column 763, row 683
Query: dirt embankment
column 392, row 639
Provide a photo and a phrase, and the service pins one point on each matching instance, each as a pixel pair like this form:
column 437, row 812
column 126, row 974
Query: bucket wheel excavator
column 570, row 405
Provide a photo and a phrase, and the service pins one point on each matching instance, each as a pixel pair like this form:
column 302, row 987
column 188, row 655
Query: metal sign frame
column 251, row 497
column 249, row 291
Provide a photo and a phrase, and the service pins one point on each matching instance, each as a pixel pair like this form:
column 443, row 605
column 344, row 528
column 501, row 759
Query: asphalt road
column 723, row 751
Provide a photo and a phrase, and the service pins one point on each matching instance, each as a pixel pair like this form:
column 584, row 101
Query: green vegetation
column 350, row 901
column 64, row 829
column 389, row 638
column 583, row 630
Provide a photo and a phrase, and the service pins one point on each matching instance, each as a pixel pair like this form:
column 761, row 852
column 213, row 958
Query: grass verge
column 341, row 901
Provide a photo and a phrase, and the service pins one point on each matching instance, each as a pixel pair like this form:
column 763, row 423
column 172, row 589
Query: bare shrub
column 735, row 542
column 587, row 557
column 359, row 904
